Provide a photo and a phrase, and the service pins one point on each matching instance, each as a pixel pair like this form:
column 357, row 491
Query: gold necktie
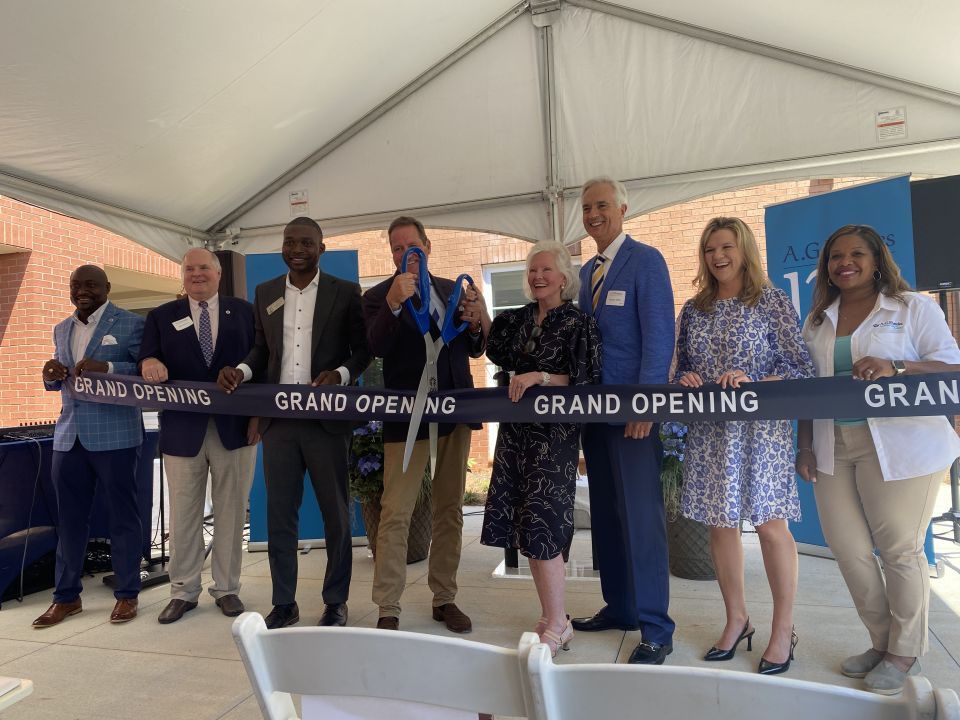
column 596, row 281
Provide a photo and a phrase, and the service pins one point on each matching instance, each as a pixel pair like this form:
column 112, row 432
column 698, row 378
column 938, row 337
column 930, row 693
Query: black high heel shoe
column 771, row 668
column 715, row 654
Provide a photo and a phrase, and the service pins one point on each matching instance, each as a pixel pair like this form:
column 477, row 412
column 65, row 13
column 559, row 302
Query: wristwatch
column 898, row 367
column 544, row 378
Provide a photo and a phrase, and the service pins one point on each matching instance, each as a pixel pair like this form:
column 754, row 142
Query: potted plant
column 366, row 486
column 688, row 540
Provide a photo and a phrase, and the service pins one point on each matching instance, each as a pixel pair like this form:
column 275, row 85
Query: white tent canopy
column 182, row 122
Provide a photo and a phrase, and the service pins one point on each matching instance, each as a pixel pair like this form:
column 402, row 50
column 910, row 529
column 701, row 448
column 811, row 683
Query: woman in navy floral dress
column 739, row 329
column 530, row 500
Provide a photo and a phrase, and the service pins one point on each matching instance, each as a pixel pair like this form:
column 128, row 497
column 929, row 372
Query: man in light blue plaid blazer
column 94, row 443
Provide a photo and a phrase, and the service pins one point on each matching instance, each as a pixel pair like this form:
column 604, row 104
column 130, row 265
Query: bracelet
column 800, row 449
column 544, row 378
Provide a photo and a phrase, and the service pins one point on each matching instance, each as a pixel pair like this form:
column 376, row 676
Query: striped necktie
column 596, row 281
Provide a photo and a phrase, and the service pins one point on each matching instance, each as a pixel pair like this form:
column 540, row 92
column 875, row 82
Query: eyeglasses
column 532, row 342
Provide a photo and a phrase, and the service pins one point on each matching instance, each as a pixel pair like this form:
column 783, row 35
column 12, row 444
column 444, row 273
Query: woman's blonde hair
column 754, row 277
column 571, row 282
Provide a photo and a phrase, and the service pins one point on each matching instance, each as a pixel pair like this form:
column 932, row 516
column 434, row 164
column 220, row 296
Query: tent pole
column 544, row 13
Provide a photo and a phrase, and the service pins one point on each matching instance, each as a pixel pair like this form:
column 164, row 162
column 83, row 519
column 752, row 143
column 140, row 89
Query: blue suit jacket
column 99, row 426
column 182, row 433
column 638, row 336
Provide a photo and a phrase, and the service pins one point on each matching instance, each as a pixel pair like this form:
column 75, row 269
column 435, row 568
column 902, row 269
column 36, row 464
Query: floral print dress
column 741, row 470
column 534, row 480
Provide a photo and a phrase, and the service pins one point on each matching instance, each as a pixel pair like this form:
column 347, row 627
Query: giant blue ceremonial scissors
column 448, row 331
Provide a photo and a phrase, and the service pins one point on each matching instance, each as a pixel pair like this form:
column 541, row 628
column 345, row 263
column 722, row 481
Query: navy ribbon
column 835, row 397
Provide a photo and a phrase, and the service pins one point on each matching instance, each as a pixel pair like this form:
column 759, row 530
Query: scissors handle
column 421, row 316
column 450, row 329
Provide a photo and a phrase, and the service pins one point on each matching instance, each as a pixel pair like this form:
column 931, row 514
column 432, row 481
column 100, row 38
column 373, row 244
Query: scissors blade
column 433, row 450
column 416, row 416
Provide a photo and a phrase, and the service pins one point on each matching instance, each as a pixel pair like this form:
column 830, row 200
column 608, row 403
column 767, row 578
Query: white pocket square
column 108, row 340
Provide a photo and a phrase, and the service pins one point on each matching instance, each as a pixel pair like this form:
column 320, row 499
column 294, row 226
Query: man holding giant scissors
column 394, row 335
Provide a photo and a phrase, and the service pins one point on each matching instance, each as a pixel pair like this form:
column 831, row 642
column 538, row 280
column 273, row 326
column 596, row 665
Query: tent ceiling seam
column 373, row 115
column 13, row 183
column 810, row 162
column 426, row 210
column 774, row 52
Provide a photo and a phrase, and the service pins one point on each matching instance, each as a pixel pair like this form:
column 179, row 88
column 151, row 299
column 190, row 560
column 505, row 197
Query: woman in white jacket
column 877, row 478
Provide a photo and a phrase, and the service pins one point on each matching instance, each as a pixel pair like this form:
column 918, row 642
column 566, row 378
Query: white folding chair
column 599, row 692
column 392, row 665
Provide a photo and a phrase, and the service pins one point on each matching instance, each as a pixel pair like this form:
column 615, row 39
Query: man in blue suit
column 94, row 443
column 627, row 288
column 191, row 339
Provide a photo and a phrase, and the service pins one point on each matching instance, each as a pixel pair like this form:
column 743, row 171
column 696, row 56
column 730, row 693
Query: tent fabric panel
column 915, row 41
column 474, row 132
column 663, row 103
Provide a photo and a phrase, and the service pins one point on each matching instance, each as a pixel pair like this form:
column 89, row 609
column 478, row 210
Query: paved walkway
column 86, row 668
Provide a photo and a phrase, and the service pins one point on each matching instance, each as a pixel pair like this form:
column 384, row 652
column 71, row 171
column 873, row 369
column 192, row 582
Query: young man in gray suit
column 309, row 331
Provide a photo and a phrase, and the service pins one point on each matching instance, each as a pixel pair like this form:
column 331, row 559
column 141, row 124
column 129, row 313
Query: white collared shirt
column 914, row 330
column 213, row 307
column 82, row 332
column 298, row 309
column 611, row 252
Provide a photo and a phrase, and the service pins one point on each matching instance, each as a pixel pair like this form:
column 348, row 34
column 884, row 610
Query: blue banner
column 795, row 233
column 905, row 396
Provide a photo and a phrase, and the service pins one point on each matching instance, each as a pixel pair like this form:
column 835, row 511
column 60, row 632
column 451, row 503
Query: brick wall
column 675, row 231
column 34, row 281
column 34, row 296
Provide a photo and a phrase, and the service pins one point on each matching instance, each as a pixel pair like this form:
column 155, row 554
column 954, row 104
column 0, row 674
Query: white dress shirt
column 298, row 309
column 82, row 332
column 912, row 330
column 611, row 252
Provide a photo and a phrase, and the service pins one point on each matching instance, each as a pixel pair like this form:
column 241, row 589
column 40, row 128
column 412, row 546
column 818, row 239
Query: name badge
column 274, row 306
column 617, row 297
column 182, row 323
column 889, row 326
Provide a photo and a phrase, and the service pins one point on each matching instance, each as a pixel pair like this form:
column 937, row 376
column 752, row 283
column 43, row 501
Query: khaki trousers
column 400, row 490
column 231, row 475
column 860, row 512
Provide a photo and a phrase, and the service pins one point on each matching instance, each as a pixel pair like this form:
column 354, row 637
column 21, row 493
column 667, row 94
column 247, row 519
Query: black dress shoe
column 230, row 605
column 175, row 610
column 650, row 654
column 334, row 615
column 599, row 622
column 282, row 616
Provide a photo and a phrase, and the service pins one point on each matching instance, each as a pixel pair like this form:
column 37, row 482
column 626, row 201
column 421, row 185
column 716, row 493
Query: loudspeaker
column 233, row 281
column 936, row 232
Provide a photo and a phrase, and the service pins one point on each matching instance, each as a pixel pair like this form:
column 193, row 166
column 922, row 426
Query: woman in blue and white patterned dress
column 739, row 329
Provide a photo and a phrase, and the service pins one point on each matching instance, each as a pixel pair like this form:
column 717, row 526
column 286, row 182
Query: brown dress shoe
column 57, row 613
column 230, row 605
column 124, row 611
column 171, row 613
column 453, row 617
column 388, row 623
